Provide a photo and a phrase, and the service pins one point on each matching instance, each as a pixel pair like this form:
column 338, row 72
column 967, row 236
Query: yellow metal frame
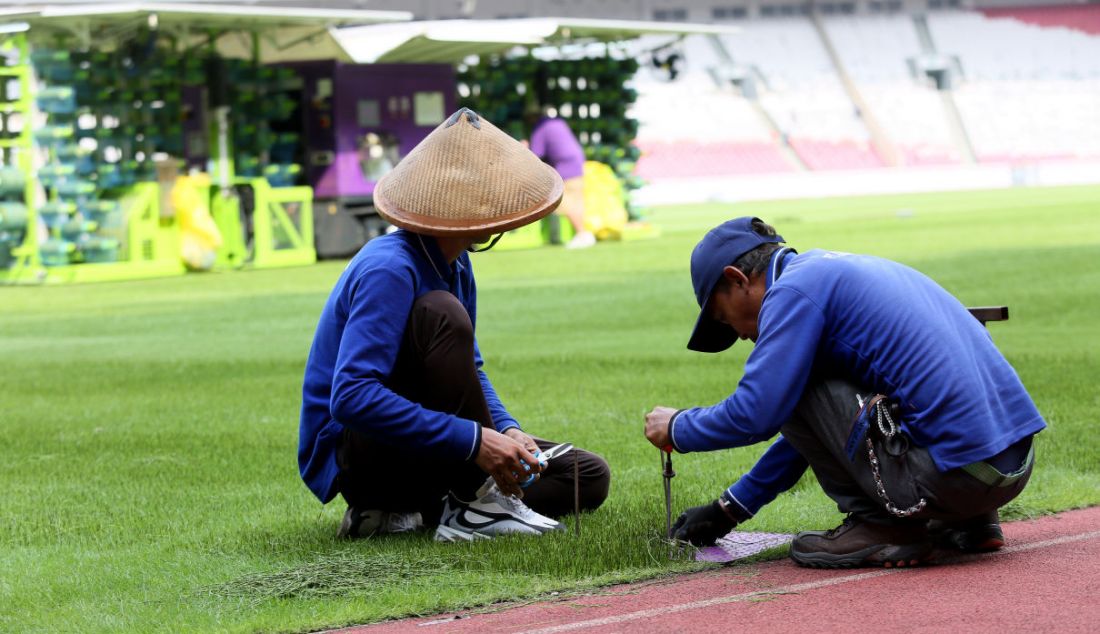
column 282, row 227
column 536, row 234
column 149, row 247
column 26, row 255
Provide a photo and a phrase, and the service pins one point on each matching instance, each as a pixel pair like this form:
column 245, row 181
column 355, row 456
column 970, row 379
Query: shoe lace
column 843, row 525
column 512, row 503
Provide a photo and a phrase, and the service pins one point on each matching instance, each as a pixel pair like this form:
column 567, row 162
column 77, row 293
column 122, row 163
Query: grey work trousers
column 821, row 429
column 435, row 368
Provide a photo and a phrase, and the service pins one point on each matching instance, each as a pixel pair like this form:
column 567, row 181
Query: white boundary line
column 798, row 587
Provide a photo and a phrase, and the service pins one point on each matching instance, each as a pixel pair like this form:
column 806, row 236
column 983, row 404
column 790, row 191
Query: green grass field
column 149, row 428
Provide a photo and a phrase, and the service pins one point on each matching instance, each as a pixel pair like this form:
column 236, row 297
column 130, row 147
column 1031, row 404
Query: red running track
column 1046, row 579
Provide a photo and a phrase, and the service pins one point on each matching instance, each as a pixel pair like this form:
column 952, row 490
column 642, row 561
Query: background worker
column 879, row 380
column 397, row 415
column 553, row 141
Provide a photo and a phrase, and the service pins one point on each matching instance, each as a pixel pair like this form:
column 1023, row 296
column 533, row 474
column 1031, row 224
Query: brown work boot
column 981, row 534
column 857, row 543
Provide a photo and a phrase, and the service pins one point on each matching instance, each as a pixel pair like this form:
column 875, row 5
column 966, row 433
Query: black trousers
column 435, row 368
column 821, row 430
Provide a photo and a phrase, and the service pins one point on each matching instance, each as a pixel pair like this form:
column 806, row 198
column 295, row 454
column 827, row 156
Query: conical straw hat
column 467, row 178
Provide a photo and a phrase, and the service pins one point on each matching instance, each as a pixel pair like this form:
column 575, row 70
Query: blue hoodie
column 354, row 351
column 892, row 330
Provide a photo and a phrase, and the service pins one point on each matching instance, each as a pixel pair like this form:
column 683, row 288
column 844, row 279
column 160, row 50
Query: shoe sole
column 344, row 532
column 487, row 521
column 372, row 528
column 989, row 545
column 499, row 524
column 365, row 529
column 985, row 540
column 878, row 556
column 447, row 534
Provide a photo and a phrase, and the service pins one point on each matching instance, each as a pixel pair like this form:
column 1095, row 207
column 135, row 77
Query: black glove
column 702, row 525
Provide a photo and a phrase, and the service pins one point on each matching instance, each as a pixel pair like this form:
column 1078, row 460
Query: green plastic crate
column 55, row 252
column 12, row 181
column 98, row 250
column 54, row 133
column 13, row 216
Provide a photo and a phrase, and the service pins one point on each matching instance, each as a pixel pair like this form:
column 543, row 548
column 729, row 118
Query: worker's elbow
column 340, row 407
column 351, row 401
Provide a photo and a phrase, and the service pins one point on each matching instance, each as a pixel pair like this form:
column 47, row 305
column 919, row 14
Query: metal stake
column 668, row 474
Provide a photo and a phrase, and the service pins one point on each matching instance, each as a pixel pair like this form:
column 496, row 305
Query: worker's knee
column 438, row 313
column 595, row 480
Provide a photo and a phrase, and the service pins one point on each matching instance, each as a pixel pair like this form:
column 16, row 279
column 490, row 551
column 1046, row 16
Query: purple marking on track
column 739, row 544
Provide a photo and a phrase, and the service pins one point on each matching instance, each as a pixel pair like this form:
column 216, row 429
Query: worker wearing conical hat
column 398, row 416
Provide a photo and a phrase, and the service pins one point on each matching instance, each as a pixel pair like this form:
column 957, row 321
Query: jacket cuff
column 475, row 445
column 734, row 508
column 672, row 430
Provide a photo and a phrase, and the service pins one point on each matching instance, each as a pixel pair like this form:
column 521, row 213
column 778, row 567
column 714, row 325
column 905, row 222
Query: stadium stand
column 837, row 154
column 1022, row 121
column 795, row 115
column 1077, row 17
column 1029, row 93
column 786, row 52
column 1024, row 88
column 696, row 127
column 801, row 91
column 875, row 49
column 877, row 53
column 693, row 159
column 994, row 49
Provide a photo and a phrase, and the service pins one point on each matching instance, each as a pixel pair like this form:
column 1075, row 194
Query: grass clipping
column 331, row 575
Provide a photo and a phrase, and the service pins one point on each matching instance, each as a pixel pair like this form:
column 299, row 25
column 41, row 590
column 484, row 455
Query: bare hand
column 506, row 460
column 517, row 434
column 656, row 427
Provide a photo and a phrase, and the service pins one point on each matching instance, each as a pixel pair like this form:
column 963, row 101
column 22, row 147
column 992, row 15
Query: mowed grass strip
column 149, row 480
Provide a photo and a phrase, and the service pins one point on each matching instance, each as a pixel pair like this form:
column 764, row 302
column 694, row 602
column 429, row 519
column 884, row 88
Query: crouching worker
column 397, row 415
column 876, row 378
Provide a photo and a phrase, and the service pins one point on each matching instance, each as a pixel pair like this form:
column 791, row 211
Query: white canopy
column 281, row 34
column 451, row 41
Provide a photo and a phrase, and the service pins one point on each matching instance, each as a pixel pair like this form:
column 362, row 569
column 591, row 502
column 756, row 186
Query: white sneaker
column 491, row 514
column 444, row 534
column 582, row 240
column 369, row 522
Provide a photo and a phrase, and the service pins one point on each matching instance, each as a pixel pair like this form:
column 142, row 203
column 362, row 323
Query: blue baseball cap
column 722, row 246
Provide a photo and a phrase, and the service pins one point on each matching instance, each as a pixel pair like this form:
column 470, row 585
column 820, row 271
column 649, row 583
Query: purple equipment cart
column 358, row 121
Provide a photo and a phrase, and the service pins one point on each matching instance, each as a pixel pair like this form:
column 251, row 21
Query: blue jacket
column 892, row 330
column 354, row 351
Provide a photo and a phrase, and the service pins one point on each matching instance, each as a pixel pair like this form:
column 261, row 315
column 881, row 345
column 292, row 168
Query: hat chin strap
column 492, row 243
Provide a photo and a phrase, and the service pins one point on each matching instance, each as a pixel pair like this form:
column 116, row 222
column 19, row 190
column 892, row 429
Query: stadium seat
column 1029, row 92
column 1080, row 18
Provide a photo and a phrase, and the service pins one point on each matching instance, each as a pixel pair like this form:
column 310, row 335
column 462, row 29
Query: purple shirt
column 553, row 142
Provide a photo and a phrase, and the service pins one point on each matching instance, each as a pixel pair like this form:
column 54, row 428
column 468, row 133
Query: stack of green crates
column 120, row 97
column 10, row 117
column 591, row 94
column 262, row 104
column 109, row 114
column 14, row 153
column 71, row 177
column 13, row 213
